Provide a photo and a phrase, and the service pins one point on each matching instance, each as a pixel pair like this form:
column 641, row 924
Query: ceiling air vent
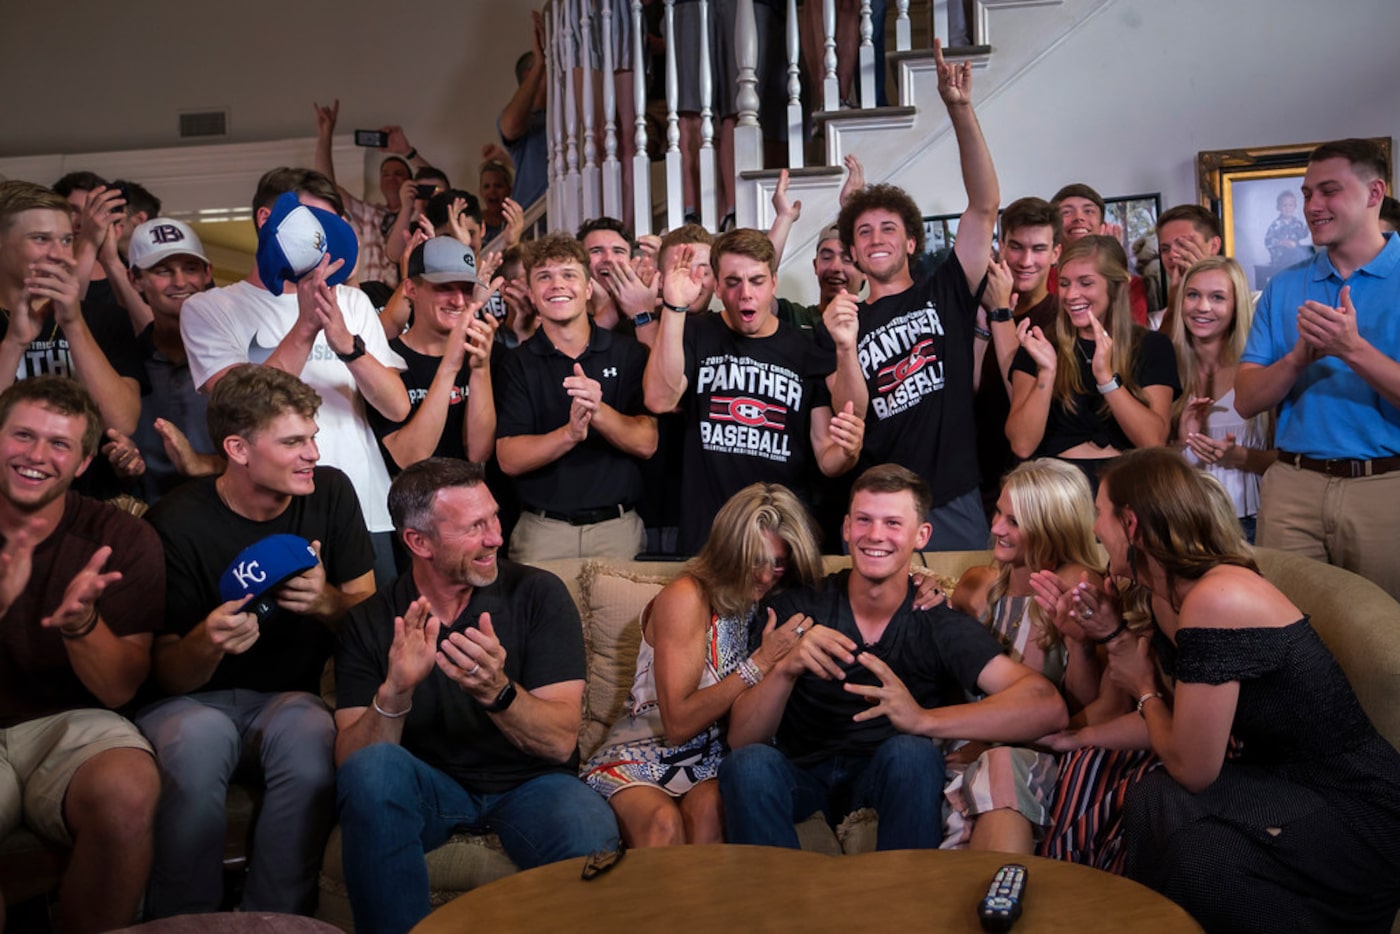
column 203, row 124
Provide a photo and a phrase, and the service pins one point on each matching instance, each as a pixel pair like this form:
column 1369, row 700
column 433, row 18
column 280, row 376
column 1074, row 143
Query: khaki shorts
column 39, row 757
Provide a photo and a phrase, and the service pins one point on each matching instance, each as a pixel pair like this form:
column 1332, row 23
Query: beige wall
column 88, row 76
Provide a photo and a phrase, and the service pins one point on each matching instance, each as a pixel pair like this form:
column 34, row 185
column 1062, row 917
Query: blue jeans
column 394, row 808
column 200, row 741
column 765, row 794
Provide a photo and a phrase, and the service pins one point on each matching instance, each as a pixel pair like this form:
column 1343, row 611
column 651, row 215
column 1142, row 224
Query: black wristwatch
column 642, row 318
column 669, row 307
column 357, row 350
column 998, row 315
column 503, row 699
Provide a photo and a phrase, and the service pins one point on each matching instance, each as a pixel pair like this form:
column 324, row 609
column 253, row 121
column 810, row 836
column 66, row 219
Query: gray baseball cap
column 442, row 259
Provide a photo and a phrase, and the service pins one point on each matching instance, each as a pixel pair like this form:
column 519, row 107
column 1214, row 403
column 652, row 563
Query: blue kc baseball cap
column 264, row 566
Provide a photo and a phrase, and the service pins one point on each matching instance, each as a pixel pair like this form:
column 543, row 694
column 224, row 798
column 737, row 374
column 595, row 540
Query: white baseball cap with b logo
column 161, row 238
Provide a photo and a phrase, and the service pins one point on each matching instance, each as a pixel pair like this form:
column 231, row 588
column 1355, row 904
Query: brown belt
column 1344, row 467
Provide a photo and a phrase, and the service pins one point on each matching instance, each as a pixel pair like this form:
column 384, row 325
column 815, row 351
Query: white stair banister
column 570, row 219
column 612, row 169
column 641, row 163
column 867, row 57
column 831, row 85
column 709, row 211
column 748, row 136
column 674, row 192
column 591, row 174
column 795, row 137
column 903, row 33
column 559, row 88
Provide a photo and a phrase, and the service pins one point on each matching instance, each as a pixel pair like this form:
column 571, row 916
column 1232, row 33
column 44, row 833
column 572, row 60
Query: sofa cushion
column 611, row 600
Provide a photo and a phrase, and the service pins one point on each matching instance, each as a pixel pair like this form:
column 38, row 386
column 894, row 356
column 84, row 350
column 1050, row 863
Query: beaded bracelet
column 749, row 672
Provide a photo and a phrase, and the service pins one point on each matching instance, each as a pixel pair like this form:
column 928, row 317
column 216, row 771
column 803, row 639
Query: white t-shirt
column 244, row 323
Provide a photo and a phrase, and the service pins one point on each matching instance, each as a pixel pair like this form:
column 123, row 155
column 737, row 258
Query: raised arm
column 664, row 382
column 785, row 214
column 975, row 229
column 514, row 121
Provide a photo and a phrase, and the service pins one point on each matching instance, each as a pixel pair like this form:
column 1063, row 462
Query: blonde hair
column 1232, row 348
column 1112, row 263
column 1054, row 510
column 726, row 565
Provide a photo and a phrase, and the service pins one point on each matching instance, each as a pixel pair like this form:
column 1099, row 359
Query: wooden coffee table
column 744, row 888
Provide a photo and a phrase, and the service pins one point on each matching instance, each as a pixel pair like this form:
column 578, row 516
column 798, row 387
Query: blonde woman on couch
column 658, row 764
column 1043, row 522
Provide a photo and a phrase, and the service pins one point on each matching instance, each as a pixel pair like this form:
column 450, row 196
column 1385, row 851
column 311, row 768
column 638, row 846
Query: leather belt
column 585, row 516
column 1344, row 467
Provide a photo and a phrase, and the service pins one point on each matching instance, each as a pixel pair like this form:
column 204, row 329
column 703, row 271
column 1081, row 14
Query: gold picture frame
column 1248, row 190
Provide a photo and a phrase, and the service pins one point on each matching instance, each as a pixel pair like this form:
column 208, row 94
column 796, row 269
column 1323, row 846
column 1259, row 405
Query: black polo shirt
column 531, row 400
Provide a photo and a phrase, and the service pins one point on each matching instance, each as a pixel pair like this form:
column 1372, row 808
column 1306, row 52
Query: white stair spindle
column 553, row 122
column 748, row 137
column 867, row 57
column 591, row 174
column 570, row 220
column 939, row 11
column 831, row 85
column 641, row 163
column 796, row 139
column 709, row 211
column 903, row 32
column 612, row 169
column 675, row 209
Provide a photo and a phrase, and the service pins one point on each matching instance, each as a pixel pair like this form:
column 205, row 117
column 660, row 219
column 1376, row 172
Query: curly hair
column 881, row 198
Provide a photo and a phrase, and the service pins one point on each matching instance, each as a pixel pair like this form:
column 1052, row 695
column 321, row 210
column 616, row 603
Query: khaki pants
column 1351, row 523
column 39, row 757
column 539, row 539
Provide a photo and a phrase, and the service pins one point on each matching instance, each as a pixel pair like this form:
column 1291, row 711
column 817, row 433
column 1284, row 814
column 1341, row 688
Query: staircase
column 911, row 143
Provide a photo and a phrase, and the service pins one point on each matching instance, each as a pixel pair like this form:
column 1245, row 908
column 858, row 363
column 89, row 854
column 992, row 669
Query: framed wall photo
column 1257, row 194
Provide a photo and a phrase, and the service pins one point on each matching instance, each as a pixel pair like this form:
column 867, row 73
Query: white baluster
column 831, row 85
column 709, row 211
column 558, row 90
column 571, row 218
column 796, row 139
column 675, row 194
column 641, row 162
column 867, row 57
column 748, row 137
column 903, row 33
column 591, row 174
column 939, row 11
column 612, row 169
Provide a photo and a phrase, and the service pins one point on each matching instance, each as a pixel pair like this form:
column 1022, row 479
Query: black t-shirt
column 539, row 628
column 1154, row 364
column 49, row 355
column 915, row 351
column 417, row 379
column 748, row 413
column 531, row 400
column 938, row 654
column 992, row 404
column 202, row 536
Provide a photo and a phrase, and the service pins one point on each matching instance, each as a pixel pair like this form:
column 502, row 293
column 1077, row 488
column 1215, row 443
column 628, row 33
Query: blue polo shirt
column 1330, row 411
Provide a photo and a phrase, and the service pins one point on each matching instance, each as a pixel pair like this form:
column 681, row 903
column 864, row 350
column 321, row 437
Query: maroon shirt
column 36, row 678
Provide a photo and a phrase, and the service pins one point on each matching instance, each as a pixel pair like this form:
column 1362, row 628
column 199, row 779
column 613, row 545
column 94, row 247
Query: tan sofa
column 1359, row 622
